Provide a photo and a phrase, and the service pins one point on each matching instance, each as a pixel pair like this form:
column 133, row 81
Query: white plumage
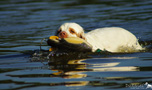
column 112, row 39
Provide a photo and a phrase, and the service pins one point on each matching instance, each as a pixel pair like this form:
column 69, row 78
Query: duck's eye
column 71, row 30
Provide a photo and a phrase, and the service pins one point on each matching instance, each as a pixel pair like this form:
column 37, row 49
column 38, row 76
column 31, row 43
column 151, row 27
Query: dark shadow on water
column 147, row 44
column 100, row 70
column 76, row 66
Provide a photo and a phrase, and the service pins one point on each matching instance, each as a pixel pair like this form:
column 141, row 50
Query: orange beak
column 54, row 37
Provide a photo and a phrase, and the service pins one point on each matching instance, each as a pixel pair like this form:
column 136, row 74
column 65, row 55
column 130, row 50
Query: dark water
column 23, row 23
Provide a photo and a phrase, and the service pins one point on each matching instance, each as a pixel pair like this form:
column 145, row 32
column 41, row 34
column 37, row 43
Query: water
column 23, row 24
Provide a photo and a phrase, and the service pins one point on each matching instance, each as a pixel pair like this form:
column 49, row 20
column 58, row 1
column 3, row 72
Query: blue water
column 24, row 23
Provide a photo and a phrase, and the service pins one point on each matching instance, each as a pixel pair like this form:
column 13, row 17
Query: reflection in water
column 69, row 69
column 25, row 22
column 76, row 69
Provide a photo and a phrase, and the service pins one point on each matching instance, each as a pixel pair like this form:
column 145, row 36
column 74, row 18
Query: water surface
column 24, row 23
